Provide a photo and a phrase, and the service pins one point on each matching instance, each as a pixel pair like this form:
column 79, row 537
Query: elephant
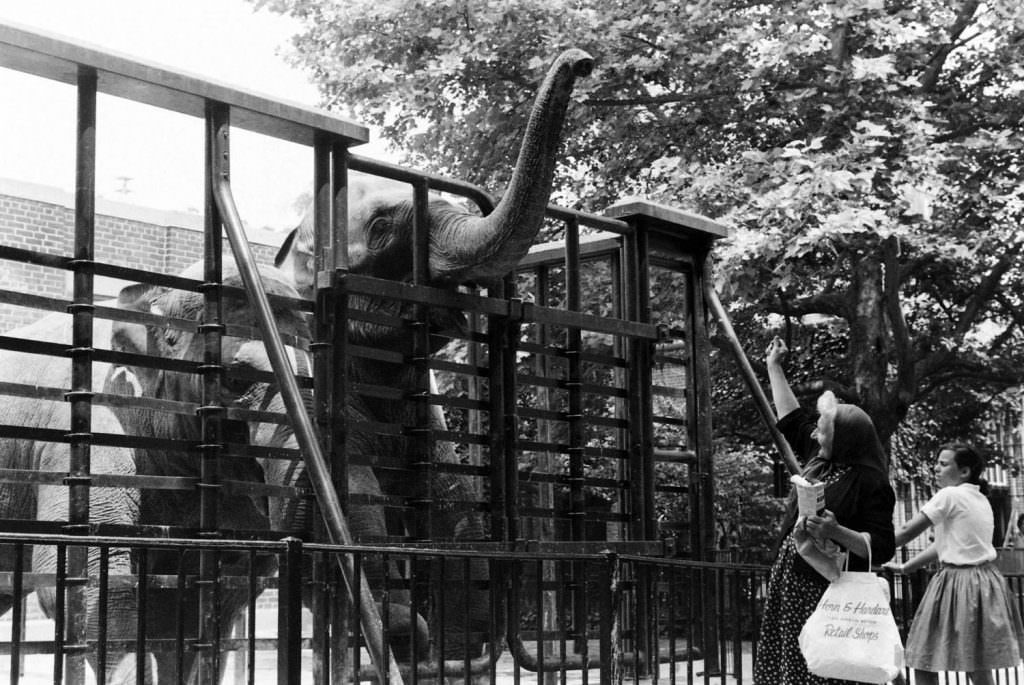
column 241, row 513
column 463, row 248
column 50, row 502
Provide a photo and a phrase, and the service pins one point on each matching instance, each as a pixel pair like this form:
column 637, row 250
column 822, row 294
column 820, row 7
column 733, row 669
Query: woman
column 842, row 450
column 966, row 620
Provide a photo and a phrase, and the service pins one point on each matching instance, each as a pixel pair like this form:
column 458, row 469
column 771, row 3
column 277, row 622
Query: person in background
column 841, row 449
column 966, row 620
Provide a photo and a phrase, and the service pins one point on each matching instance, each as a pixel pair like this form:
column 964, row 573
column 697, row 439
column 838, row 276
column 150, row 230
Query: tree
column 867, row 153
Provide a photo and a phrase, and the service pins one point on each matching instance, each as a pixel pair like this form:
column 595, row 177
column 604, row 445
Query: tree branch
column 905, row 377
column 930, row 78
column 823, row 303
column 986, row 290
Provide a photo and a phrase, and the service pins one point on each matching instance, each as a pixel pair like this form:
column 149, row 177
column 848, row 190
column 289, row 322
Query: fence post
column 80, row 396
column 289, row 613
column 611, row 623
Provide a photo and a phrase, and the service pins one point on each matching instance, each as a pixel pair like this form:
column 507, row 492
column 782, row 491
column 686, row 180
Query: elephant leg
column 366, row 520
column 106, row 505
column 462, row 590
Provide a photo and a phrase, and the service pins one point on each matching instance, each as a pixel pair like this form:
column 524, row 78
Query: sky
column 146, row 156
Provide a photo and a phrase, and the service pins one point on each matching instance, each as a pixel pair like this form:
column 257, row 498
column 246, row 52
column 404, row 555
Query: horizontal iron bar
column 58, row 58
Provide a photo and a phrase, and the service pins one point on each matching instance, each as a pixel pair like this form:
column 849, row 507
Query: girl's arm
column 912, row 528
column 921, row 560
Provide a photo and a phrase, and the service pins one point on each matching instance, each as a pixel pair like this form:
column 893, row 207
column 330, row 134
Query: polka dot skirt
column 793, row 593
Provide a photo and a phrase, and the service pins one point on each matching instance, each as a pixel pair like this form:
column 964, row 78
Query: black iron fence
column 281, row 610
column 598, row 617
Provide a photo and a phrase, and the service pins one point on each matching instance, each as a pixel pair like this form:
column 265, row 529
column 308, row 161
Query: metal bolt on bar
column 320, row 476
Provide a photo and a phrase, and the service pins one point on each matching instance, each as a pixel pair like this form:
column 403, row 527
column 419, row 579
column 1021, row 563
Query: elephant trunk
column 491, row 246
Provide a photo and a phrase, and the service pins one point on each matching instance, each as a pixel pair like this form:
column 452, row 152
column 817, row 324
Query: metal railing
column 530, row 627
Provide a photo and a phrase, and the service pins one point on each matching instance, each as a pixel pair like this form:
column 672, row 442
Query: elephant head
column 463, row 246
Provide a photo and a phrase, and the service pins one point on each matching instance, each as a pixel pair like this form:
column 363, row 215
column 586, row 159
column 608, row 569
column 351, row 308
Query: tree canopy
column 866, row 153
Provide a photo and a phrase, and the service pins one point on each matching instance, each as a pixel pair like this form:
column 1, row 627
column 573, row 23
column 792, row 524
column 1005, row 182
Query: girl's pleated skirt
column 967, row 621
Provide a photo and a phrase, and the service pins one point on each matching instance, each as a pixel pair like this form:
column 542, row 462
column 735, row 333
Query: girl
column 966, row 620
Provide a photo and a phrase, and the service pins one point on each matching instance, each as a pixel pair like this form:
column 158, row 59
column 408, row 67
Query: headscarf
column 854, row 442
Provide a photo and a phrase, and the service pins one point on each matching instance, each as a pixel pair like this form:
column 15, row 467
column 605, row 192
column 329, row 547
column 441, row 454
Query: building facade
column 41, row 218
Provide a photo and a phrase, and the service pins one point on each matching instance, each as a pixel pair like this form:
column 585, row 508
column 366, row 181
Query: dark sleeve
column 873, row 514
column 797, row 427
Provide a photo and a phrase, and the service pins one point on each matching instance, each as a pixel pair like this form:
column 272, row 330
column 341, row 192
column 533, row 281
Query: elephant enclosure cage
column 545, row 493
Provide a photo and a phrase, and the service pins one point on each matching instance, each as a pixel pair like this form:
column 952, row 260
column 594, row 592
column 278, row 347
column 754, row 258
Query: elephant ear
column 135, row 297
column 295, row 256
column 132, row 338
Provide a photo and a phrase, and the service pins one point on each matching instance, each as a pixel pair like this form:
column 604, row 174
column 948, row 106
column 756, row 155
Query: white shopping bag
column 852, row 635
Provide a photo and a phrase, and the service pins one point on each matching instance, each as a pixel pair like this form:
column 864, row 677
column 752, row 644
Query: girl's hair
column 966, row 457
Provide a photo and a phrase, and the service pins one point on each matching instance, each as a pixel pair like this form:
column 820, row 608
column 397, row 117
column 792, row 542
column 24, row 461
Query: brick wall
column 40, row 218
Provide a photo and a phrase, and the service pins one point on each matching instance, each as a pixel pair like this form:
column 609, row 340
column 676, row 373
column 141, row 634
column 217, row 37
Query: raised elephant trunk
column 489, row 247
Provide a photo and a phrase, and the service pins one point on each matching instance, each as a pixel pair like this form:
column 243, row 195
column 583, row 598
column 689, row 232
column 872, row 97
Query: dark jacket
column 862, row 499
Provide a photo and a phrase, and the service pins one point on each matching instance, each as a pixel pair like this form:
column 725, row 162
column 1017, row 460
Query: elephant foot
column 402, row 622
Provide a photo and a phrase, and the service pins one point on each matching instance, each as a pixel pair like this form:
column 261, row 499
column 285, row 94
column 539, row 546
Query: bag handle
column 867, row 539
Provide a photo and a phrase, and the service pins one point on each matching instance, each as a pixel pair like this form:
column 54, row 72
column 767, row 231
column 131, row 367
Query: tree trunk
column 868, row 345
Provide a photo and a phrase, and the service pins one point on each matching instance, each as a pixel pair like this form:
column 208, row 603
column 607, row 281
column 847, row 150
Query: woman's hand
column 894, row 566
column 822, row 526
column 776, row 352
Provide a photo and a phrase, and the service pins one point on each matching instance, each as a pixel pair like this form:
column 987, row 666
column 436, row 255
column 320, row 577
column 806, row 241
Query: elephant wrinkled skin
column 50, row 502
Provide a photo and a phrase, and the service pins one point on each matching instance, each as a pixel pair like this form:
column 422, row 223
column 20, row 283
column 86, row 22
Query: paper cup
column 810, row 499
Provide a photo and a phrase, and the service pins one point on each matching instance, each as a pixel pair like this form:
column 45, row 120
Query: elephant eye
column 171, row 338
column 378, row 234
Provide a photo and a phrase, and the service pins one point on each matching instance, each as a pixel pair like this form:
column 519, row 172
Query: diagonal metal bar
column 305, row 433
column 747, row 371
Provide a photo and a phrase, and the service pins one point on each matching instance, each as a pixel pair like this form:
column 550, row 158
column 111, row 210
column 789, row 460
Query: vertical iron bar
column 332, row 317
column 353, row 619
column 385, row 611
column 539, row 620
column 610, row 619
column 179, row 637
column 500, row 528
column 564, row 623
column 212, row 410
column 633, row 280
column 59, row 617
column 140, row 617
column 80, row 396
column 673, row 597
column 574, row 384
column 574, row 415
column 621, row 349
column 700, row 436
column 442, row 619
column 542, row 528
column 18, row 617
column 102, row 625
column 468, row 580
column 510, row 327
column 417, row 589
column 250, row 622
column 323, row 373
column 289, row 613
column 641, row 459
column 421, row 433
column 720, row 594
